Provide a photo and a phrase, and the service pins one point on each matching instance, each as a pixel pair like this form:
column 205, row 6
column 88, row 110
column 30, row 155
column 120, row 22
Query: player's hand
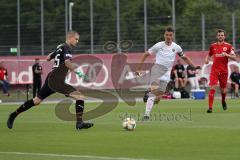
column 138, row 73
column 81, row 75
column 198, row 67
column 224, row 54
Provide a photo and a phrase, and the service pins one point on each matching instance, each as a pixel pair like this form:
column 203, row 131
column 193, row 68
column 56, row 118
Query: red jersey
column 3, row 72
column 220, row 62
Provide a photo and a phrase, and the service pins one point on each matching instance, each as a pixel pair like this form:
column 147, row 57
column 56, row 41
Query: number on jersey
column 56, row 61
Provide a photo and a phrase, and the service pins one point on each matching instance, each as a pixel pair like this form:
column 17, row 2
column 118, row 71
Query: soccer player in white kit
column 165, row 52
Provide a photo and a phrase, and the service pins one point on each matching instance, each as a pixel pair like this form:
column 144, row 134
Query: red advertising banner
column 106, row 71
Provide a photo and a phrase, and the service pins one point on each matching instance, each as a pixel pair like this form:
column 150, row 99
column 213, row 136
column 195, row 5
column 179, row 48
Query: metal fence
column 97, row 27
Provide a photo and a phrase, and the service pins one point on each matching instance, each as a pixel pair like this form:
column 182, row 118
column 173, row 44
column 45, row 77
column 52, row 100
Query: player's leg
column 44, row 92
column 181, row 84
column 184, row 82
column 39, row 87
column 34, row 89
column 223, row 94
column 79, row 106
column 157, row 99
column 236, row 90
column 211, row 98
column 56, row 81
column 176, row 83
column 192, row 83
column 223, row 85
column 157, row 86
column 150, row 102
column 213, row 85
column 24, row 107
column 5, row 88
column 157, row 91
column 196, row 83
column 1, row 83
column 146, row 95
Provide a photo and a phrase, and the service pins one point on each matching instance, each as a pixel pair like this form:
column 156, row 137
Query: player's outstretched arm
column 207, row 59
column 188, row 61
column 142, row 60
column 71, row 66
column 74, row 67
column 49, row 57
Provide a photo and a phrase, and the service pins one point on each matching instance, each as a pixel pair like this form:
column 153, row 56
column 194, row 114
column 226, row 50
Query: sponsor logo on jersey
column 224, row 49
column 221, row 54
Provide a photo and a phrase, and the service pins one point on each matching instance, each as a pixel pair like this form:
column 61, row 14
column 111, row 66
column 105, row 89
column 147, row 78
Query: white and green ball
column 129, row 124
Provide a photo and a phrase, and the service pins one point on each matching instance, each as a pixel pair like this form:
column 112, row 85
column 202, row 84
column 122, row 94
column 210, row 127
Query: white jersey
column 165, row 55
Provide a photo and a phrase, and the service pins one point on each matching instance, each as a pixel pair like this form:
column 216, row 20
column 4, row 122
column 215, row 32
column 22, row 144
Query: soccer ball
column 129, row 124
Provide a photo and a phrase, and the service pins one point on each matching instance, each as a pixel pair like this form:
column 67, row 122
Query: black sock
column 79, row 110
column 27, row 105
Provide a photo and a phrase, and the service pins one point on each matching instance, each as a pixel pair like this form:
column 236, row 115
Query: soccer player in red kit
column 220, row 51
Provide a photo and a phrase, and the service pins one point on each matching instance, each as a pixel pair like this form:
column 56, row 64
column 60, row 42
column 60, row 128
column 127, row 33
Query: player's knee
column 157, row 91
column 77, row 95
column 153, row 88
column 223, row 90
column 37, row 100
column 80, row 97
column 213, row 87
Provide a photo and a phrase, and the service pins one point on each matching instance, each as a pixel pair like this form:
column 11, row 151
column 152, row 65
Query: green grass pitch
column 179, row 129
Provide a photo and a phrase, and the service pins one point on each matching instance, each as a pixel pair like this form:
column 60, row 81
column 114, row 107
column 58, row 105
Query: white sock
column 149, row 104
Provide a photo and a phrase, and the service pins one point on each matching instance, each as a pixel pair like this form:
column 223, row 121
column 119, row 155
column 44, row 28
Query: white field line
column 69, row 156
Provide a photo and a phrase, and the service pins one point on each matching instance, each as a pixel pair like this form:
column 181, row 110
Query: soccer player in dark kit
column 62, row 64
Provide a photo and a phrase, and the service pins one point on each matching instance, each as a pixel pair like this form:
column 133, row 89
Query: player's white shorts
column 160, row 75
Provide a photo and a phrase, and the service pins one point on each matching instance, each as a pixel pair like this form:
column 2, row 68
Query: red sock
column 211, row 98
column 223, row 97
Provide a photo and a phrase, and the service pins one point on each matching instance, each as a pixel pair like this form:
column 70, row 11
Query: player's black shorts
column 55, row 79
column 45, row 91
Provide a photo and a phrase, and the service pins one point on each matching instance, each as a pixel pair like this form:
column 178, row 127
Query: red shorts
column 216, row 76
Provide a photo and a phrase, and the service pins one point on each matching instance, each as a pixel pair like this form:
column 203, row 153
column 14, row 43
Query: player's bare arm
column 188, row 61
column 74, row 68
column 49, row 56
column 71, row 66
column 142, row 60
column 207, row 59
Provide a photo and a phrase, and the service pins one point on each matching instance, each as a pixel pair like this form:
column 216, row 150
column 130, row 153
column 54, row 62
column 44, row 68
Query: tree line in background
column 218, row 14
